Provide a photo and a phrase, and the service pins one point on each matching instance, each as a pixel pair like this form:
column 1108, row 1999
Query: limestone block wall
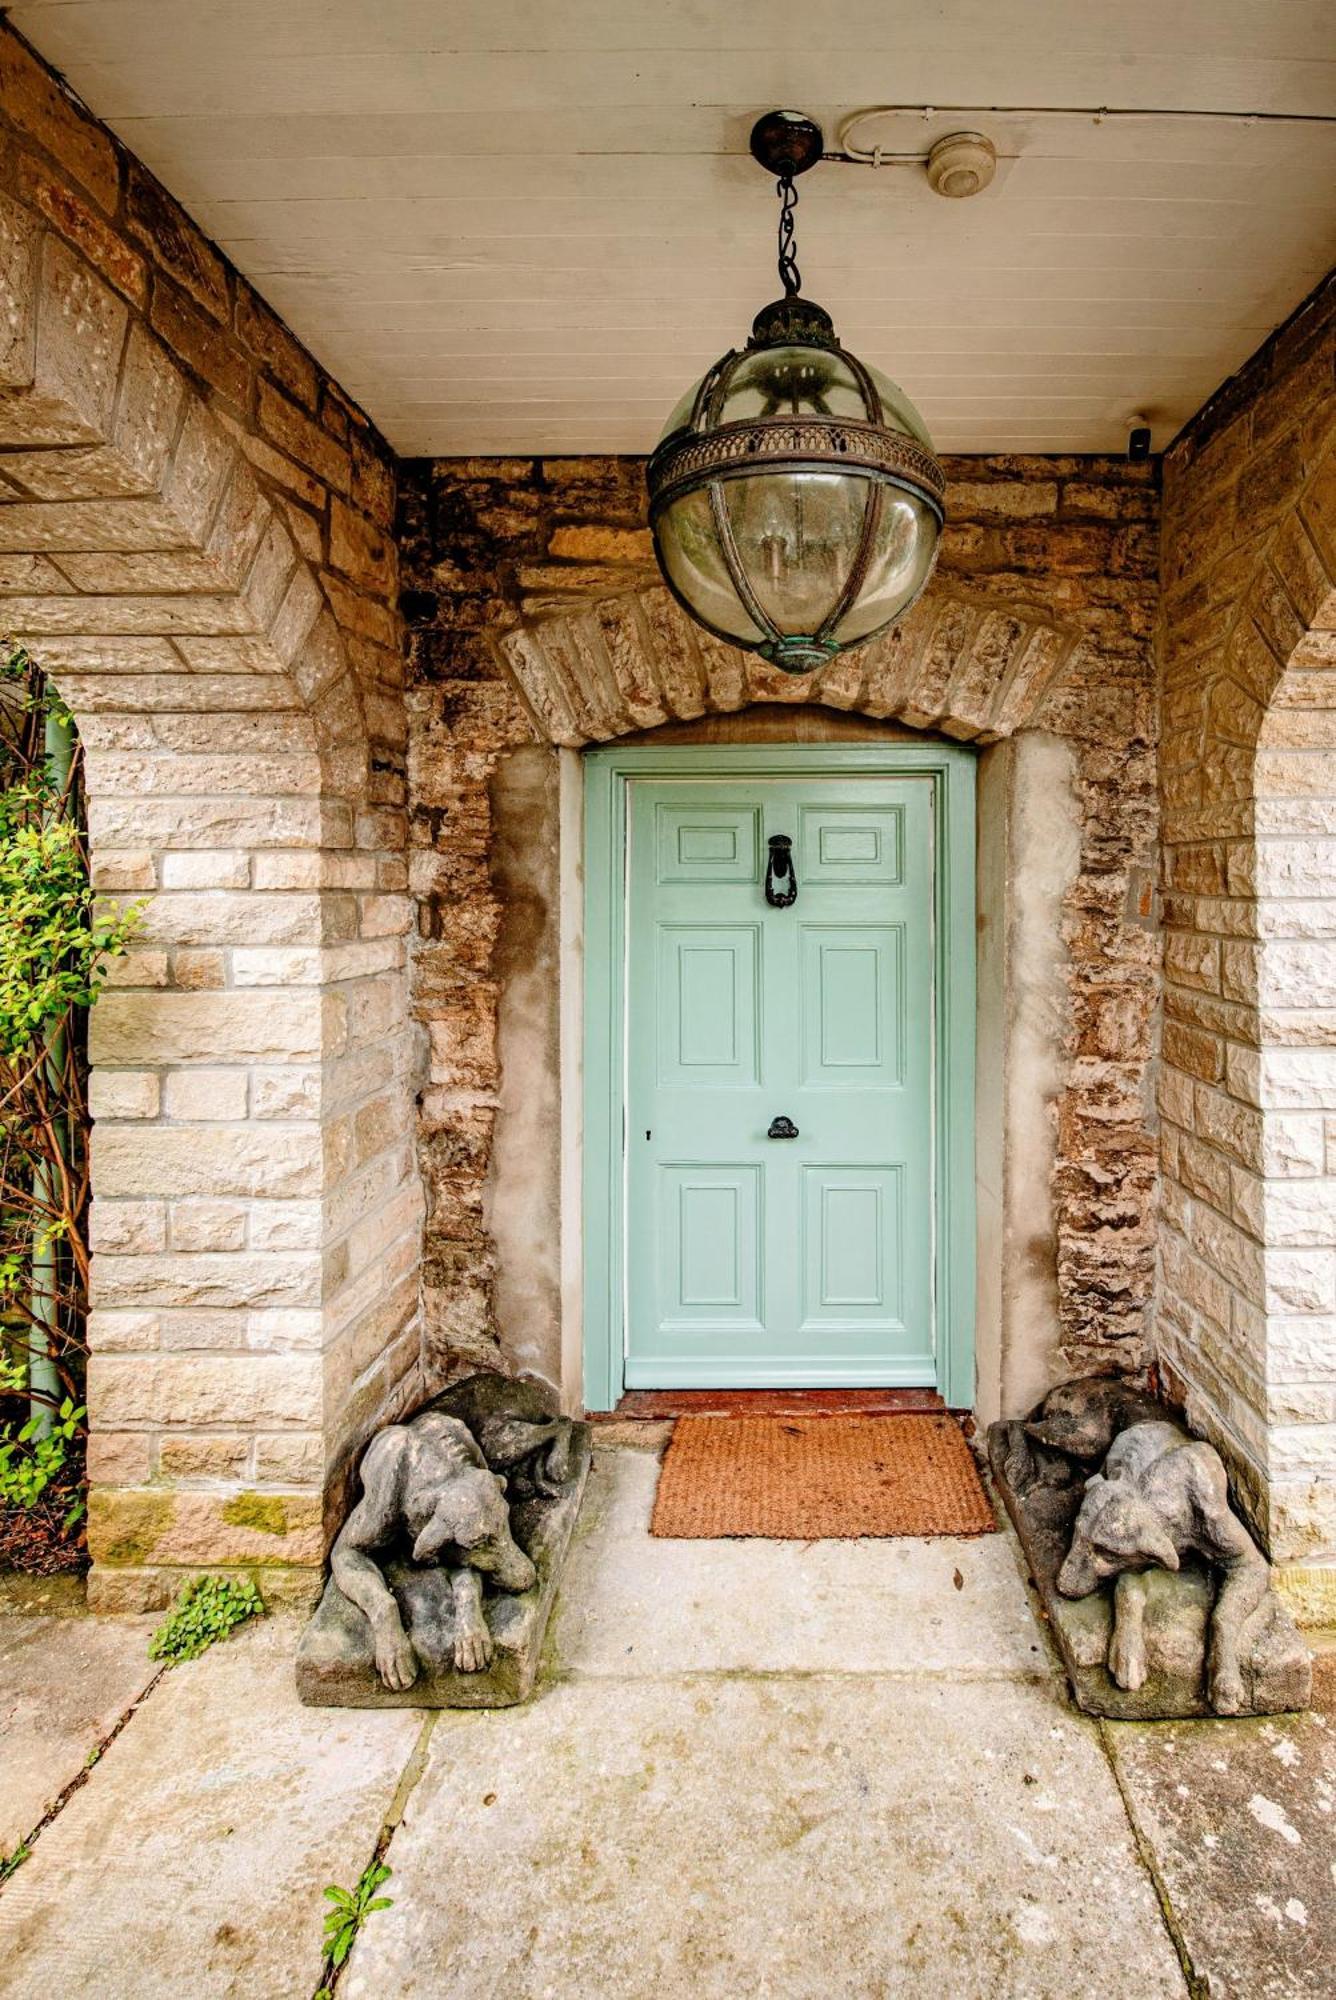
column 1247, row 1320
column 535, row 618
column 195, row 538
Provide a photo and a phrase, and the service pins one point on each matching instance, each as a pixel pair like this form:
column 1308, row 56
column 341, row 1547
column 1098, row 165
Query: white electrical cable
column 876, row 156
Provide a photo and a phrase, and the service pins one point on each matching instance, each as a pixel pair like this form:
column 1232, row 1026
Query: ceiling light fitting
column 795, row 498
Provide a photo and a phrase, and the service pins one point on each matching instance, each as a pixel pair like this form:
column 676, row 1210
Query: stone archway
column 635, row 661
column 256, row 1210
column 1249, row 1086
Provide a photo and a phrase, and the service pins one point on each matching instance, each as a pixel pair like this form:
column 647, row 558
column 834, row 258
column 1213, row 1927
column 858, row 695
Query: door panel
column 853, row 1005
column 853, row 1244
column 839, row 844
column 707, row 1005
column 707, row 843
column 710, row 1245
column 755, row 1261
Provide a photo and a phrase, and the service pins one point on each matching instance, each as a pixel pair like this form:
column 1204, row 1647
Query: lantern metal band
column 840, row 445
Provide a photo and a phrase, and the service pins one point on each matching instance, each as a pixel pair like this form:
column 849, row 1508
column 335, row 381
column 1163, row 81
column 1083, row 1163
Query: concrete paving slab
column 64, row 1685
column 801, row 1838
column 42, row 1596
column 635, row 1434
column 632, row 1605
column 193, row 1860
column 1241, row 1819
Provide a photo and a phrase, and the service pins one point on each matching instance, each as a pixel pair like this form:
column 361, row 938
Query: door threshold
column 657, row 1405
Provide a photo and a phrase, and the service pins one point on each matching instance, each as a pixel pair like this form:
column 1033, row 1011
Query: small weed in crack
column 9, row 1862
column 351, row 1909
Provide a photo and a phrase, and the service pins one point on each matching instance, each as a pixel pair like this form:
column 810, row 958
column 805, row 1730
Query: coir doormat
column 818, row 1478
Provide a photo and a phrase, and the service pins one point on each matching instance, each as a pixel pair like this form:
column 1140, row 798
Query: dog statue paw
column 1127, row 1659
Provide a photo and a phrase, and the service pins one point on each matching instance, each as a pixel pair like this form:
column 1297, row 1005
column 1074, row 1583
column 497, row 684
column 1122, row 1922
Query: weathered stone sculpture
column 517, row 1428
column 429, row 1482
column 1162, row 1496
column 1072, row 1429
column 1155, row 1523
column 477, row 1494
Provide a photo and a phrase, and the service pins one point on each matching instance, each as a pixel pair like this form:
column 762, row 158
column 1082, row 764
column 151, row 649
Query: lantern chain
column 790, row 275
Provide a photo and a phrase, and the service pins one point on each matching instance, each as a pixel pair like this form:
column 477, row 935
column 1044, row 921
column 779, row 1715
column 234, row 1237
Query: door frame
column 607, row 774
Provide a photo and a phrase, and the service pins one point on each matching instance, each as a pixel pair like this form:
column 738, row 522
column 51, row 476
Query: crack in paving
column 23, row 1852
column 1197, row 1987
column 330, row 1975
column 948, row 1675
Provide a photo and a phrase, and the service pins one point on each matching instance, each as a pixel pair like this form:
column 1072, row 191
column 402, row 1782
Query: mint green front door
column 753, row 1260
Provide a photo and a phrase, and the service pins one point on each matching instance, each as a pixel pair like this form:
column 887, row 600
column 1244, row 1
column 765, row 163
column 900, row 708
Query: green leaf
column 354, row 1906
column 10, row 1862
column 208, row 1609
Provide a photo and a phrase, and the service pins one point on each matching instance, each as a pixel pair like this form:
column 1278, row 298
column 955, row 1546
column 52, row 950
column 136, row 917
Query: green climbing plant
column 57, row 941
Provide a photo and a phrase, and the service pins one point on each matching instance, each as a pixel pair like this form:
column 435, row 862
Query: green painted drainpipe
column 43, row 1297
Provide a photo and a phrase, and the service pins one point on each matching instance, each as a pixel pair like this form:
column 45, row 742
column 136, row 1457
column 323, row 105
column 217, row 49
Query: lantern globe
column 795, row 499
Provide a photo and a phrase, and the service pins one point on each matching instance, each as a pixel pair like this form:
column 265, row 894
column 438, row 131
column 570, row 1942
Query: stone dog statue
column 435, row 1486
column 1162, row 1495
column 1072, row 1430
column 513, row 1421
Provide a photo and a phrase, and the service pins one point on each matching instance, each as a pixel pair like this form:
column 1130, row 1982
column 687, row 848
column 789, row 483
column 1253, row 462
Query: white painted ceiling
column 522, row 226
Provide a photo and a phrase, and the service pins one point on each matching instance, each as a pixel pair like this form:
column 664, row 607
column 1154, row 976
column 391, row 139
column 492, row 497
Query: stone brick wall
column 198, row 538
column 1247, row 1323
column 535, row 617
column 195, row 538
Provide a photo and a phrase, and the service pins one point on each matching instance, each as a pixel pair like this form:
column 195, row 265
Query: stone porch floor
column 754, row 1769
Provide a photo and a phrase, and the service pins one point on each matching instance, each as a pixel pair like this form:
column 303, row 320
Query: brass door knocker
column 781, row 884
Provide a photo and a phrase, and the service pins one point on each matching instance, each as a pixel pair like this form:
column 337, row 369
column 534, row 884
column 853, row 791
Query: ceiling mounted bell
column 961, row 164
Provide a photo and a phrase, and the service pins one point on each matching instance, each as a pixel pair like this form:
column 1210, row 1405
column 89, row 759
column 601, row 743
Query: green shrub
column 31, row 1461
column 57, row 940
column 207, row 1609
column 55, row 945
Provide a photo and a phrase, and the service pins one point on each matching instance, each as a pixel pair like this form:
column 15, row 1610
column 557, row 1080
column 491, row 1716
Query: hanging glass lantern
column 795, row 500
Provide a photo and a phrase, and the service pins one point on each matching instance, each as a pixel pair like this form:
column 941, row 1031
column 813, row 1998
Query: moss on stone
column 126, row 1526
column 266, row 1513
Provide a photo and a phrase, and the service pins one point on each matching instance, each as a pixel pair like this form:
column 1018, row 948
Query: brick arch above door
column 971, row 670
